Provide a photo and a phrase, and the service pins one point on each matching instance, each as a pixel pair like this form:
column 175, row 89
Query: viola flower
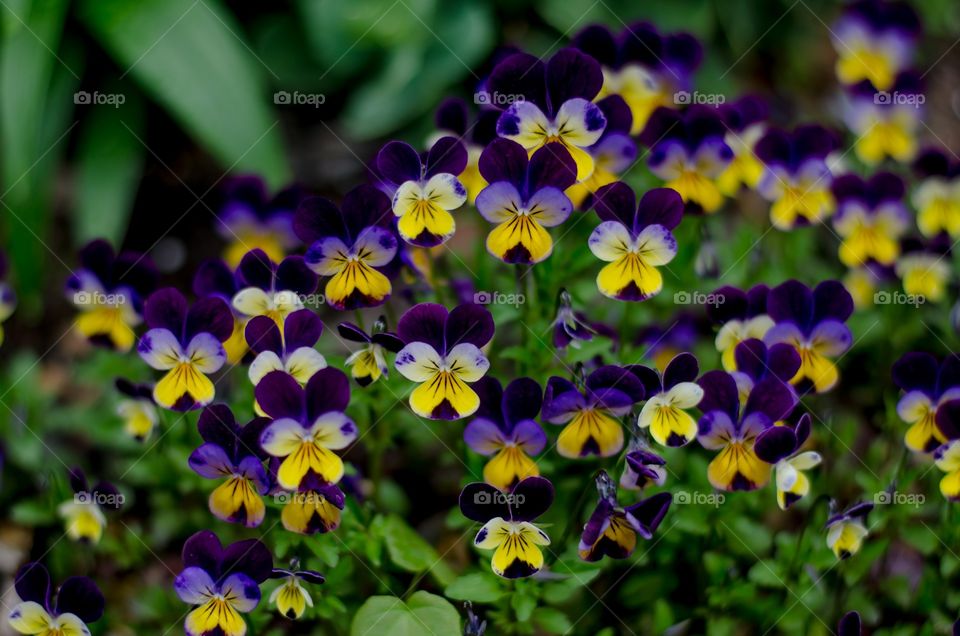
column 271, row 289
column 313, row 507
column 591, row 416
column 846, row 530
column 425, row 189
column 506, row 428
column 571, row 327
column 733, row 430
column 508, row 527
column 137, row 409
column 937, row 197
column 688, row 151
column 369, row 363
column 746, row 122
column 291, row 597
column 215, row 278
column 553, row 103
column 290, row 350
column 354, row 245
column 84, row 513
column 928, row 385
column 308, row 424
column 187, row 344
column 741, row 316
column 634, row 239
column 643, row 467
column 79, row 603
column 755, row 361
column 875, row 41
column 796, row 178
column 643, row 66
column 813, row 323
column 668, row 395
column 778, row 446
column 924, row 268
column 8, row 298
column 251, row 219
column 453, row 119
column 222, row 582
column 524, row 197
column 613, row 530
column 613, row 154
column 442, row 354
column 232, row 453
column 108, row 289
column 886, row 123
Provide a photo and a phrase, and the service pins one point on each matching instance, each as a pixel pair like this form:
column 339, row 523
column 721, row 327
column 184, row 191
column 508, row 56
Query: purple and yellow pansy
column 368, row 364
column 846, row 530
column 870, row 218
column 353, row 244
column 732, row 427
column 613, row 154
column 137, row 409
column 291, row 597
column 187, row 343
column 552, row 103
column 928, row 384
column 8, row 298
column 443, row 355
column 425, row 188
column 612, row 529
column 591, row 415
column 314, row 507
column 796, row 177
column 668, row 396
column 108, row 290
column 937, row 197
column 778, row 446
column 813, row 323
column 308, row 425
column 508, row 528
column 84, row 513
column 68, row 611
column 506, row 429
column 524, row 196
column 634, row 239
column 886, row 123
column 223, row 583
column 453, row 119
column 267, row 288
column 289, row 350
column 875, row 41
column 741, row 315
column 231, row 453
column 755, row 361
column 688, row 151
column 746, row 122
column 251, row 219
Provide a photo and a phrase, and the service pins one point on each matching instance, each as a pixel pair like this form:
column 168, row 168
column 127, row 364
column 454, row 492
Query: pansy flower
column 508, row 527
column 553, row 103
column 928, row 384
column 778, row 446
column 506, row 428
column 108, row 289
column 755, row 361
column 352, row 244
column 925, row 268
column 187, row 344
column 746, row 121
column 79, row 603
column 425, row 189
column 524, row 197
column 613, row 154
column 272, row 289
column 668, row 396
column 688, row 151
column 812, row 321
column 223, row 583
column 796, row 177
column 634, row 239
column 846, row 530
column 8, row 298
column 290, row 350
column 251, row 219
column 453, row 119
column 137, row 409
column 740, row 316
column 937, row 197
column 308, row 424
column 591, row 416
column 232, row 453
column 642, row 467
column 643, row 66
column 571, row 327
column 612, row 530
column 84, row 513
column 886, row 123
column 871, row 217
column 370, row 362
column 732, row 429
column 875, row 40
column 442, row 354
column 215, row 278
column 313, row 507
column 291, row 597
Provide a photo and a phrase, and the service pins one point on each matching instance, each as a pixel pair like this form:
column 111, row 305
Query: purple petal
column 720, row 393
column 32, row 583
column 850, row 625
column 783, row 361
column 775, row 443
column 617, row 113
column 294, row 275
column 831, row 300
column 318, row 218
column 619, row 378
column 353, row 333
column 522, row 400
column 598, row 42
column 166, row 309
column 572, row 74
column 365, row 206
column 452, row 116
column 519, row 75
column 209, row 315
column 504, row 160
column 832, row 338
column 949, row 375
column 616, row 202
column 771, row 397
column 301, row 328
column 263, row 334
column 203, row 550
column 256, row 270
column 649, row 513
column 682, row 368
column 210, row 461
column 328, row 390
column 531, row 498
column 734, row 305
column 490, row 392
column 467, row 323
column 484, row 436
column 660, row 206
column 279, row 395
column 791, row 301
column 399, row 162
column 249, row 557
column 560, row 398
column 388, row 340
column 214, row 278
column 650, row 378
column 482, row 502
column 446, row 155
column 802, row 429
column 916, row 371
column 424, row 323
column 948, row 419
column 551, row 166
column 596, row 524
column 529, row 436
column 80, row 595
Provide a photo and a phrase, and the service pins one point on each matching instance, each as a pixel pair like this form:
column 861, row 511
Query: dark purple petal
column 803, row 429
column 650, row 378
column 388, row 340
column 328, row 390
column 446, row 155
column 256, row 270
column 520, row 75
column 775, row 443
column 618, row 115
column 719, row 393
column 97, row 257
column 791, row 301
column 949, row 375
column 452, row 116
column 598, row 42
column 757, row 300
column 948, row 419
column 682, row 368
column 616, row 202
column 831, row 300
column 317, row 218
column 650, row 512
column 301, row 328
column 294, row 275
column 551, row 166
column 572, row 74
column 250, row 557
column 212, row 461
column 771, row 397
column 166, row 309
column 490, row 392
column 263, row 334
column 482, row 502
column 560, row 397
column 78, row 479
column 733, row 307
column 751, row 358
column 214, row 278
column 107, row 496
column 504, row 160
column 32, row 583
column 203, row 550
column 468, row 323
column 279, row 395
column 596, row 524
column 916, row 370
column 424, row 323
column 80, row 595
column 365, row 206
column 311, row 576
column 522, row 400
column 660, row 206
column 531, row 498
column 218, row 425
column 619, row 378
column 399, row 162
column 664, row 124
column 353, row 333
column 850, row 625
column 783, row 361
column 248, row 441
column 209, row 315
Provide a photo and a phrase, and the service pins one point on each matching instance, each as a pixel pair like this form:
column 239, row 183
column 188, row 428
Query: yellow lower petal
column 237, row 500
column 520, row 240
column 357, row 277
column 924, row 436
column 184, row 384
column 590, row 432
column 696, row 188
column 629, row 278
column 425, row 217
column 737, row 467
column 107, row 323
column 817, row 369
column 213, row 614
column 446, row 396
column 508, row 467
column 309, row 457
column 309, row 512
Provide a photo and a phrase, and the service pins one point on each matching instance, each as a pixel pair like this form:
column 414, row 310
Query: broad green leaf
column 551, row 620
column 423, row 613
column 410, row 551
column 478, row 587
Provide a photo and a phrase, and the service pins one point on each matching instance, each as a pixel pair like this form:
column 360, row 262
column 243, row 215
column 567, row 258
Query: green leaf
column 410, row 551
column 551, row 620
column 523, row 605
column 190, row 57
column 478, row 587
column 422, row 613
